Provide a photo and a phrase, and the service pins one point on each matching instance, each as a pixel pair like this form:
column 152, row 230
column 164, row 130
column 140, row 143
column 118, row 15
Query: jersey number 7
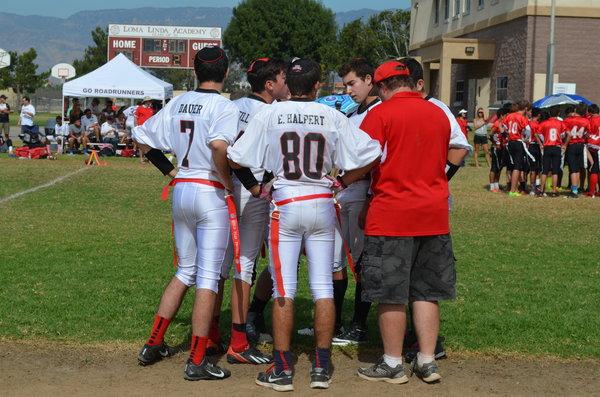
column 187, row 127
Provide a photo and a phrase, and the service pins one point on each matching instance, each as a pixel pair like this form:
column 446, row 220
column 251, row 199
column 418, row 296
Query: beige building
column 481, row 53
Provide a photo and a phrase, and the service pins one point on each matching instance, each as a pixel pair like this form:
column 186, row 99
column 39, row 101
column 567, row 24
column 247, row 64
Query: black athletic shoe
column 383, row 372
column 319, row 378
column 354, row 335
column 429, row 372
column 214, row 349
column 256, row 329
column 204, row 371
column 249, row 356
column 151, row 354
column 282, row 381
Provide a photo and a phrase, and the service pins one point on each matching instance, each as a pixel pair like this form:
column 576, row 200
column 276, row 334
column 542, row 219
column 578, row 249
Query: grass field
column 86, row 261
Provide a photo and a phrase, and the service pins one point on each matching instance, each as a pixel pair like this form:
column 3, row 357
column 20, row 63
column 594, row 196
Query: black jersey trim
column 369, row 106
column 205, row 91
column 428, row 97
column 256, row 98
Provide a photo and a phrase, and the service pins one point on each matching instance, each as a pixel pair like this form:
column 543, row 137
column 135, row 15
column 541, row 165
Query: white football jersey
column 457, row 138
column 357, row 118
column 249, row 106
column 300, row 142
column 187, row 125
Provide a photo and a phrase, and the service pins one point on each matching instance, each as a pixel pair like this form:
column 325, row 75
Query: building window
column 467, row 7
column 436, row 12
column 456, row 8
column 481, row 4
column 501, row 89
column 446, row 9
column 459, row 94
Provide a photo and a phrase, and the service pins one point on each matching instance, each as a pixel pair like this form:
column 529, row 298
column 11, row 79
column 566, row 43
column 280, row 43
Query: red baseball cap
column 390, row 69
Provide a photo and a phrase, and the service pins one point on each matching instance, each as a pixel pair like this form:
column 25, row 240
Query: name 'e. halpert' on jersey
column 303, row 150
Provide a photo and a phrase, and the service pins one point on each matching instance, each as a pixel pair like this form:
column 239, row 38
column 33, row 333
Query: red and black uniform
column 499, row 140
column 551, row 131
column 577, row 128
column 516, row 124
column 534, row 147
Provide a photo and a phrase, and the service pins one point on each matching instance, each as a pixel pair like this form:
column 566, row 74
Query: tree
column 22, row 74
column 390, row 33
column 279, row 28
column 95, row 55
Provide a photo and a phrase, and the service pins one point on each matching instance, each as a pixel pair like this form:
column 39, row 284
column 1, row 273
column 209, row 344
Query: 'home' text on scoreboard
column 160, row 46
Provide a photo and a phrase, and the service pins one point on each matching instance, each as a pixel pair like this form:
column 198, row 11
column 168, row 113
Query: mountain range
column 64, row 39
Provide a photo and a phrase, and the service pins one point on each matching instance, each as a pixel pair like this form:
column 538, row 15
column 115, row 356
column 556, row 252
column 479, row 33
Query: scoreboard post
column 151, row 46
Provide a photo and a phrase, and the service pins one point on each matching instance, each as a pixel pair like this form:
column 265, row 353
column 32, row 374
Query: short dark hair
column 301, row 76
column 26, row 98
column 414, row 68
column 554, row 111
column 87, row 110
column 535, row 112
column 211, row 64
column 58, row 118
column 395, row 82
column 581, row 109
column 360, row 66
column 262, row 70
column 522, row 105
column 569, row 109
column 544, row 115
column 594, row 109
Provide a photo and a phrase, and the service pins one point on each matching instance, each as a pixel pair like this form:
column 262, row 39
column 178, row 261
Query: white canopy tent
column 118, row 78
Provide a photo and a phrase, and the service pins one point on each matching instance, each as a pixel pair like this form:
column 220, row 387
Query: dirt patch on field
column 28, row 369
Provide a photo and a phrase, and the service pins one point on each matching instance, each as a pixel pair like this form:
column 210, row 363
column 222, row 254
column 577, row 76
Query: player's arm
column 352, row 176
column 454, row 160
column 218, row 148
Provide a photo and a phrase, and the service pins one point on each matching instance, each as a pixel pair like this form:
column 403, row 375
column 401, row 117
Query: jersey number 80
column 312, row 166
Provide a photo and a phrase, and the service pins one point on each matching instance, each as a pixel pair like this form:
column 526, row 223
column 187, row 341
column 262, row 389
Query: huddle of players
column 538, row 143
column 275, row 134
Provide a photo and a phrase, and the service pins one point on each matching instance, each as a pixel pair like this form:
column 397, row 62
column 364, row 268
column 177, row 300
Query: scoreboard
column 160, row 46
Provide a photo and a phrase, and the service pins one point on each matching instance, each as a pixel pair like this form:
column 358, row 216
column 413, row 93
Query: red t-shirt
column 410, row 189
column 515, row 123
column 463, row 123
column 551, row 130
column 143, row 113
column 535, row 130
column 577, row 127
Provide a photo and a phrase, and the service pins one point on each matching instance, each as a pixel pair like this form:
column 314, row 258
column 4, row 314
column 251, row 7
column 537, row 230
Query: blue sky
column 64, row 8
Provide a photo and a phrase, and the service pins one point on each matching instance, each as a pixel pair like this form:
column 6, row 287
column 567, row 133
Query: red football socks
column 593, row 183
column 239, row 341
column 157, row 335
column 198, row 349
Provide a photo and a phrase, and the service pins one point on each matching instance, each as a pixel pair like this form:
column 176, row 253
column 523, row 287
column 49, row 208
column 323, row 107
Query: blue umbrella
column 555, row 100
column 345, row 102
column 579, row 98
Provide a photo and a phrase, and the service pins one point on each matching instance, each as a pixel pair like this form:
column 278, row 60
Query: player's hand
column 255, row 191
column 336, row 186
column 265, row 191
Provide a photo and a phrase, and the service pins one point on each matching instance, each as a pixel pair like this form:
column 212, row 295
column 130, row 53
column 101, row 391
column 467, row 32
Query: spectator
column 95, row 107
column 463, row 122
column 109, row 131
column 61, row 130
column 27, row 115
column 90, row 125
column 75, row 111
column 144, row 112
column 408, row 251
column 480, row 126
column 4, row 121
column 120, row 124
column 108, row 109
column 130, row 116
column 76, row 136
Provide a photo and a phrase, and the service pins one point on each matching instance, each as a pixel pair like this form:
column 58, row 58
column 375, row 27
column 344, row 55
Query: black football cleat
column 151, row 354
column 204, row 371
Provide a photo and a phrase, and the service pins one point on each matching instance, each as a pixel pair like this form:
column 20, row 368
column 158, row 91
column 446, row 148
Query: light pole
column 550, row 59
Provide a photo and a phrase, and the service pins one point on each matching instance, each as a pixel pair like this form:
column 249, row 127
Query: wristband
column 160, row 161
column 451, row 170
column 246, row 177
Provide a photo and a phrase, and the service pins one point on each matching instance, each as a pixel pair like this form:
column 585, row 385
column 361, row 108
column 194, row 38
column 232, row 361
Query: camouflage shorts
column 398, row 270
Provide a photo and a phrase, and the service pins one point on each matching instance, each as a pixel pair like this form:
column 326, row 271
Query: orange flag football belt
column 231, row 209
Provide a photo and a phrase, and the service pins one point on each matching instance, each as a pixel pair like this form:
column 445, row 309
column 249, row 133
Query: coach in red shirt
column 408, row 251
